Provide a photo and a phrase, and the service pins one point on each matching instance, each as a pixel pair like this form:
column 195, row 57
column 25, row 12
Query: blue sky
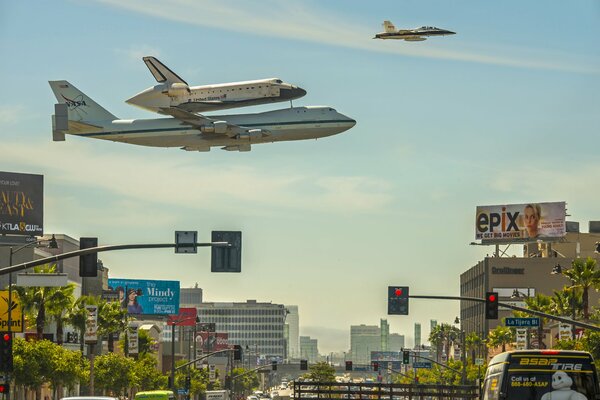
column 505, row 111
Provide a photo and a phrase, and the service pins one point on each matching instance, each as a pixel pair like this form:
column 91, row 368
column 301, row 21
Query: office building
column 256, row 326
column 190, row 297
column 293, row 340
column 309, row 349
column 417, row 335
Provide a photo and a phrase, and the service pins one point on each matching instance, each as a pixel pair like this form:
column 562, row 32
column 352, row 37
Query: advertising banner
column 520, row 222
column 21, row 204
column 91, row 325
column 16, row 315
column 186, row 317
column 132, row 338
column 140, row 296
column 212, row 341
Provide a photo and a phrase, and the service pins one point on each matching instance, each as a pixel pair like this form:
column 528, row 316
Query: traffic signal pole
column 92, row 250
column 512, row 307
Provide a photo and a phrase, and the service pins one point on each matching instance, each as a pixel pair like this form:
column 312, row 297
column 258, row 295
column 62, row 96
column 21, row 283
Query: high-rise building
column 190, row 297
column 293, row 322
column 417, row 335
column 385, row 334
column 395, row 342
column 253, row 325
column 309, row 349
column 363, row 340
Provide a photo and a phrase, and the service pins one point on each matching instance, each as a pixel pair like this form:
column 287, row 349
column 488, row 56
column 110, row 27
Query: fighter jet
column 77, row 114
column 410, row 35
column 172, row 91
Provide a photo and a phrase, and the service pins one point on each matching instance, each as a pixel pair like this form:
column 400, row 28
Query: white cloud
column 214, row 186
column 294, row 20
column 11, row 114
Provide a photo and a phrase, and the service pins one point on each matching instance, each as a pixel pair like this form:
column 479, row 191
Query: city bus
column 541, row 375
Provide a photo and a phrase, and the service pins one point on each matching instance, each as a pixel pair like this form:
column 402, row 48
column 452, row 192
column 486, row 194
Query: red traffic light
column 6, row 337
column 4, row 388
column 492, row 297
column 398, row 292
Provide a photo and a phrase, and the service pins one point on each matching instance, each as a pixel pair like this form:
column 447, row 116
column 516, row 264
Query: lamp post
column 173, row 324
column 463, row 350
column 558, row 270
column 52, row 244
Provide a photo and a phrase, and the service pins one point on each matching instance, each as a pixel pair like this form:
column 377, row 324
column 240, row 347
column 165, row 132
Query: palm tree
column 473, row 343
column 543, row 304
column 112, row 318
column 584, row 275
column 37, row 301
column 566, row 302
column 78, row 314
column 500, row 336
column 62, row 301
column 443, row 334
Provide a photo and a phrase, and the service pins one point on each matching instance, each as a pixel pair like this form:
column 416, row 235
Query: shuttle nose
column 292, row 92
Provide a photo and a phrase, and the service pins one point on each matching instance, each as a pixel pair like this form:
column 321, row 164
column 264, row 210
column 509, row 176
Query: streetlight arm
column 92, row 250
column 202, row 358
column 251, row 370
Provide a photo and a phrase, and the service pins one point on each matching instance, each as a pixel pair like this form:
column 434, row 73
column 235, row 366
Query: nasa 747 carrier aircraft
column 172, row 91
column 410, row 35
column 77, row 114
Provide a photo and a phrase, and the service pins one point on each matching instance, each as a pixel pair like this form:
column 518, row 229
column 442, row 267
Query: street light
column 173, row 324
column 463, row 350
column 52, row 244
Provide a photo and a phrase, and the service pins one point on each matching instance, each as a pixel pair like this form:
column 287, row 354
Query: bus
column 541, row 375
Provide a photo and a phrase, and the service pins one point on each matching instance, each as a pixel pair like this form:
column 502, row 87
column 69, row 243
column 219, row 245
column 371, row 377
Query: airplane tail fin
column 389, row 27
column 75, row 111
column 161, row 72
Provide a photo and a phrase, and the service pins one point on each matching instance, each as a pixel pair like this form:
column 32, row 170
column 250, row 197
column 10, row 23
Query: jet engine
column 219, row 127
column 250, row 135
column 178, row 89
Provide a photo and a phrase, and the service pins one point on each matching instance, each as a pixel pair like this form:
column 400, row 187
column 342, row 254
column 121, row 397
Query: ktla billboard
column 21, row 204
column 140, row 296
column 520, row 222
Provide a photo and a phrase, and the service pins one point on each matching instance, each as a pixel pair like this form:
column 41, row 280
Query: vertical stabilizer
column 160, row 72
column 389, row 27
column 80, row 107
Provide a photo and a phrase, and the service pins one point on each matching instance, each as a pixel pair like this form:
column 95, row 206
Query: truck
column 217, row 395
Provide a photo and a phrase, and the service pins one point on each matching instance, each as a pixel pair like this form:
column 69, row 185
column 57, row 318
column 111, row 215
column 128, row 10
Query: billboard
column 212, row 341
column 520, row 222
column 21, row 204
column 187, row 317
column 140, row 296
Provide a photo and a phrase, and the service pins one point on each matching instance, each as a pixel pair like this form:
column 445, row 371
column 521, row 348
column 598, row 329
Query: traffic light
column 348, row 365
column 491, row 305
column 273, row 365
column 188, row 382
column 5, row 389
column 6, row 355
column 226, row 258
column 88, row 264
column 303, row 365
column 398, row 300
column 406, row 357
column 237, row 352
column 375, row 366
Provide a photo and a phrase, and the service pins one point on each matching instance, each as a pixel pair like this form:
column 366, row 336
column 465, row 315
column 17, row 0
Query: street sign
column 479, row 361
column 422, row 364
column 42, row 280
column 524, row 322
column 182, row 391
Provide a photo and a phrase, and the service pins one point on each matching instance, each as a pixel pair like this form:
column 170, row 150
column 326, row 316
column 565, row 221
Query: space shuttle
column 171, row 91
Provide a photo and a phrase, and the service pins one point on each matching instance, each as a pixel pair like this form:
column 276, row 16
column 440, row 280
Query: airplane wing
column 211, row 126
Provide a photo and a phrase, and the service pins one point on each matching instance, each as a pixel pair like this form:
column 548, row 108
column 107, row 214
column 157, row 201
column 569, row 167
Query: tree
column 77, row 316
column 58, row 307
column 244, row 381
column 473, row 343
column 40, row 361
column 500, row 336
column 442, row 337
column 566, row 302
column 147, row 375
column 112, row 318
column 321, row 372
column 584, row 275
column 114, row 373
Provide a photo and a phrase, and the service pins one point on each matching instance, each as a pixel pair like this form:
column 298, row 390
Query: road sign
column 524, row 322
column 479, row 361
column 182, row 391
column 422, row 364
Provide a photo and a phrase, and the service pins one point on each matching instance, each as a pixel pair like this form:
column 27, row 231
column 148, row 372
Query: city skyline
column 503, row 112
